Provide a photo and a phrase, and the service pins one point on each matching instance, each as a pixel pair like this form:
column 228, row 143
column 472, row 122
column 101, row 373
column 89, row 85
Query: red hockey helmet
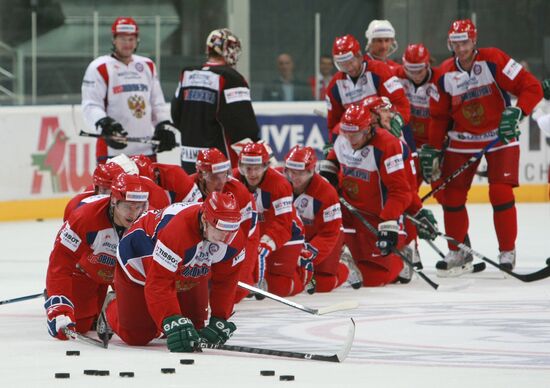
column 356, row 118
column 301, row 158
column 105, row 174
column 345, row 48
column 373, row 103
column 416, row 57
column 222, row 212
column 212, row 160
column 128, row 187
column 254, row 153
column 462, row 30
column 224, row 42
column 125, row 26
column 144, row 165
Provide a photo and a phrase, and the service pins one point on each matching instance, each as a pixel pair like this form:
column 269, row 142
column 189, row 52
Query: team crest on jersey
column 351, row 187
column 213, row 248
column 139, row 67
column 477, row 69
column 136, row 103
column 474, row 113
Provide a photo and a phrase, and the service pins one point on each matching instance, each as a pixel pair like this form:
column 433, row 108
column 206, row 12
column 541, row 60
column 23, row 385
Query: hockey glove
column 218, row 331
column 165, row 136
column 430, row 160
column 305, row 263
column 508, row 128
column 113, row 133
column 546, row 88
column 387, row 237
column 60, row 313
column 181, row 335
column 265, row 247
column 396, row 125
column 428, row 229
column 327, row 148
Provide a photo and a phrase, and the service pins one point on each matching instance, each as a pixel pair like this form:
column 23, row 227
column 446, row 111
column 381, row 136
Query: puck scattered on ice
column 126, row 374
column 286, row 377
column 168, row 370
column 90, row 372
column 187, row 361
column 72, row 352
column 62, row 375
column 267, row 372
column 102, row 373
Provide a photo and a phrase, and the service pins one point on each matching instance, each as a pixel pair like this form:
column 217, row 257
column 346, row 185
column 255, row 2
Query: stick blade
column 347, row 305
column 342, row 354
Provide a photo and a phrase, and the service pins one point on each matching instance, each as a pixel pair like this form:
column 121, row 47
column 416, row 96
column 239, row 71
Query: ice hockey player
column 178, row 185
column 373, row 179
column 121, row 96
column 212, row 105
column 318, row 205
column 381, row 42
column 472, row 108
column 83, row 260
column 359, row 78
column 542, row 116
column 214, row 174
column 284, row 267
column 166, row 262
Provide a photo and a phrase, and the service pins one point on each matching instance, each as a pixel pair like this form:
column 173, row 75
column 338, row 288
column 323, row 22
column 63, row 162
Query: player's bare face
column 125, row 45
column 214, row 182
column 351, row 67
column 217, row 236
column 417, row 76
column 299, row 179
column 384, row 117
column 380, row 47
column 126, row 212
column 253, row 173
column 357, row 140
column 464, row 51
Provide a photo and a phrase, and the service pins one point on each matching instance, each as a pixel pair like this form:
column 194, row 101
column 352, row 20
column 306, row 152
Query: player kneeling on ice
column 83, row 260
column 373, row 179
column 284, row 267
column 317, row 204
column 166, row 262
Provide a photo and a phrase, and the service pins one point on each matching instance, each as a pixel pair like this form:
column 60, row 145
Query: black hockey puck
column 90, row 372
column 267, row 372
column 286, row 377
column 126, row 374
column 62, row 375
column 72, row 352
column 187, row 361
column 168, row 370
column 102, row 373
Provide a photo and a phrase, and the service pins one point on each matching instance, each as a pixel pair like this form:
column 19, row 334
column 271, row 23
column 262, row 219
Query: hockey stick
column 528, row 277
column 396, row 251
column 474, row 158
column 338, row 357
column 144, row 140
column 22, row 298
column 349, row 305
column 478, row 267
column 84, row 338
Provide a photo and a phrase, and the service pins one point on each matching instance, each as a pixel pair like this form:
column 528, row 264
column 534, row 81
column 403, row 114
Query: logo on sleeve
column 282, row 205
column 240, row 257
column 166, row 257
column 394, row 163
column 236, row 95
column 69, row 238
column 511, row 69
column 332, row 213
column 392, row 84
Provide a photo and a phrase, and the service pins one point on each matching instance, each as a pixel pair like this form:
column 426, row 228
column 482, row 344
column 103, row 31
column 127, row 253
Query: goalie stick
column 338, row 357
column 23, row 298
column 84, row 338
column 144, row 140
column 348, row 305
column 396, row 251
column 527, row 278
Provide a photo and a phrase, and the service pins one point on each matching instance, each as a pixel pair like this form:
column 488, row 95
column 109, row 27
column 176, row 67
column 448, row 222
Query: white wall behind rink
column 43, row 156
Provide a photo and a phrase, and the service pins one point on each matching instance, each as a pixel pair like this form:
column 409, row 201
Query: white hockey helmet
column 224, row 43
column 380, row 29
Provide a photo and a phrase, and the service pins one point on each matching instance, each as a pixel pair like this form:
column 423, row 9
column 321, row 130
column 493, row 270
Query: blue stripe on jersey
column 165, row 219
column 189, row 254
column 229, row 253
column 266, row 199
column 297, row 234
column 135, row 244
column 493, row 68
column 383, row 188
column 376, row 80
column 336, row 93
column 90, row 237
column 316, row 206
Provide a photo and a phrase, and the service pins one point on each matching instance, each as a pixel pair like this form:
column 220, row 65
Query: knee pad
column 454, row 199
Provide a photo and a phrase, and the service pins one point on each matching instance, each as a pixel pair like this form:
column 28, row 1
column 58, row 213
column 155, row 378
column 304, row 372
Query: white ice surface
column 495, row 333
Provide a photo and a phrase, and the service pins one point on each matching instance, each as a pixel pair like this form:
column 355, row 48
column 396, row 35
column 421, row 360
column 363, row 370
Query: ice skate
column 507, row 259
column 454, row 264
column 355, row 278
